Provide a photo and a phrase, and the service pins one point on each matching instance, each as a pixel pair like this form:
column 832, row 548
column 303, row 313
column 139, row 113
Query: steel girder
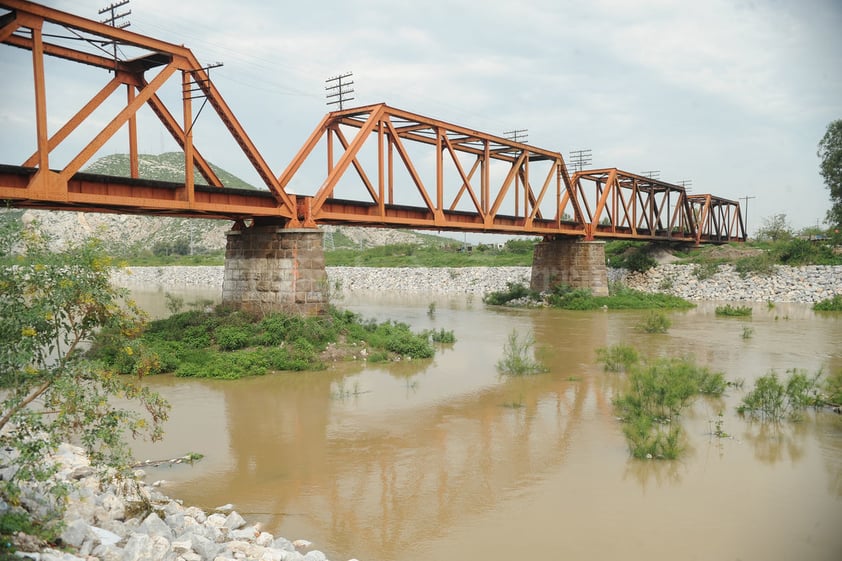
column 719, row 220
column 80, row 40
column 619, row 204
column 481, row 182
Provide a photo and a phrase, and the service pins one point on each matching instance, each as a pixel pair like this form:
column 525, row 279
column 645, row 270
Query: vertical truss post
column 40, row 98
column 187, row 100
column 133, row 163
column 381, row 179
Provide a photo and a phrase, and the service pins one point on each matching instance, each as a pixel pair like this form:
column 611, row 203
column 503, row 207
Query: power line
column 113, row 20
column 580, row 158
column 517, row 135
column 339, row 89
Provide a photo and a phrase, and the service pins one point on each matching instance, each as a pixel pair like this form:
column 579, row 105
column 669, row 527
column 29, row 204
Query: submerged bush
column 617, row 357
column 518, row 358
column 655, row 322
column 774, row 400
column 733, row 311
column 658, row 391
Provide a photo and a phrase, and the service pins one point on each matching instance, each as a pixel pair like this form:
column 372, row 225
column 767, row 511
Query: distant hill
column 127, row 234
column 168, row 166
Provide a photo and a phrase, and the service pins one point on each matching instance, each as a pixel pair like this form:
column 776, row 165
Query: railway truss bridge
column 374, row 165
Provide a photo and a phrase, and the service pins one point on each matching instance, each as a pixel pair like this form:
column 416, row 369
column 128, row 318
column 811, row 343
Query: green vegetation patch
column 774, row 400
column 514, row 253
column 733, row 311
column 518, row 356
column 620, row 298
column 234, row 344
column 567, row 298
column 658, row 391
column 829, row 305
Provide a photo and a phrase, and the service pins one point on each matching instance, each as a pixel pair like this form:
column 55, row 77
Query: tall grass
column 518, row 356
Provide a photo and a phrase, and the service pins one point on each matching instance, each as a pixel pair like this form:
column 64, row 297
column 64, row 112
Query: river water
column 447, row 460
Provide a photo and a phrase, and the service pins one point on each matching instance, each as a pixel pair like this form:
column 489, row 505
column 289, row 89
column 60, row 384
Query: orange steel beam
column 390, row 132
column 719, row 219
column 22, row 27
column 623, row 204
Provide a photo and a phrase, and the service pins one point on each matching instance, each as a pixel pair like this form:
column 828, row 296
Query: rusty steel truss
column 373, row 165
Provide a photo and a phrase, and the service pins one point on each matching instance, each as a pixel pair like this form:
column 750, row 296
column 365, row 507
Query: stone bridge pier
column 576, row 263
column 269, row 268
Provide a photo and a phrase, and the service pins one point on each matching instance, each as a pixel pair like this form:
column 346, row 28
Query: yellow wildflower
column 28, row 332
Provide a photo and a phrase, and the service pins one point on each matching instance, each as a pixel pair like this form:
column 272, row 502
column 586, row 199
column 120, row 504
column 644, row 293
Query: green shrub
column 704, row 271
column 833, row 388
column 518, row 357
column 640, row 261
column 761, row 265
column 829, row 304
column 442, row 336
column 514, row 291
column 658, row 391
column 773, row 400
column 733, row 311
column 617, row 357
column 231, row 338
column 567, row 298
column 655, row 322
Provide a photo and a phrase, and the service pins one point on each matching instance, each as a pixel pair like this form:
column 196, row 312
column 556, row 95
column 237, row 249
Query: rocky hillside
column 126, row 234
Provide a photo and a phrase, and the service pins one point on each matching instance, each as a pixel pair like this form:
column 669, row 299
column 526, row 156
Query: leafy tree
column 51, row 304
column 830, row 152
column 775, row 228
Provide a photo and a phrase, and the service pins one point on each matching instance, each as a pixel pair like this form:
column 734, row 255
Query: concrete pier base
column 272, row 269
column 577, row 264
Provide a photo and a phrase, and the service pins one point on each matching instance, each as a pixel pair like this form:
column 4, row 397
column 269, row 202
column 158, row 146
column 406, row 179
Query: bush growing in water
column 733, row 311
column 655, row 322
column 658, row 391
column 773, row 400
column 617, row 358
column 518, row 356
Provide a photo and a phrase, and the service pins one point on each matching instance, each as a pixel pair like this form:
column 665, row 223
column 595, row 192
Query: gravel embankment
column 128, row 520
column 787, row 284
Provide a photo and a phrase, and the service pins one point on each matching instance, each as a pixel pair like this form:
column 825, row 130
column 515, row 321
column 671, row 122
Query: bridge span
column 371, row 166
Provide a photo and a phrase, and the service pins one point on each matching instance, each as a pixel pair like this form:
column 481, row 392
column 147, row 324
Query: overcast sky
column 731, row 95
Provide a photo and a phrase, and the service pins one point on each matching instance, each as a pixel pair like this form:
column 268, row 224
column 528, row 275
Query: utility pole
column 340, row 88
column 745, row 221
column 652, row 174
column 113, row 18
column 518, row 135
column 686, row 183
column 580, row 158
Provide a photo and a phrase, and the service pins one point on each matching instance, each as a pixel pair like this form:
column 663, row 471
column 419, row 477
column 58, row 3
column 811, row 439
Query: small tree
column 51, row 304
column 830, row 152
column 775, row 228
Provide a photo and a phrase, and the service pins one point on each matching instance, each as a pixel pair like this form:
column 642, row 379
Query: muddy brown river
column 446, row 459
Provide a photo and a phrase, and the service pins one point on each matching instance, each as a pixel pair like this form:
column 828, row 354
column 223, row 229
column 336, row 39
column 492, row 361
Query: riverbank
column 129, row 520
column 807, row 284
